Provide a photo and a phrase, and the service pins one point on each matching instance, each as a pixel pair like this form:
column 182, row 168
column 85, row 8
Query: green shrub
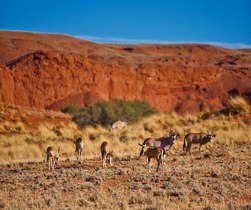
column 72, row 110
column 105, row 113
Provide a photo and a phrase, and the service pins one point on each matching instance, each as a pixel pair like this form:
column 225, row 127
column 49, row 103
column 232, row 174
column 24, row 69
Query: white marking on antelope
column 118, row 124
column 52, row 157
column 157, row 153
column 79, row 143
column 163, row 142
column 196, row 138
column 106, row 152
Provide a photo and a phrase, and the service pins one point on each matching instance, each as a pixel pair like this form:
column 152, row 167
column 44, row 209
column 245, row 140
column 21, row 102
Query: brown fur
column 163, row 142
column 106, row 152
column 156, row 153
column 196, row 138
column 79, row 143
column 52, row 156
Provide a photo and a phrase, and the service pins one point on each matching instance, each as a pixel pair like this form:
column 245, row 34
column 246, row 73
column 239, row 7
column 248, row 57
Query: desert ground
column 218, row 178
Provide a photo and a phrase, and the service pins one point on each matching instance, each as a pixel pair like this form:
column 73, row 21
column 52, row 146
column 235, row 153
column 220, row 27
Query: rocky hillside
column 53, row 71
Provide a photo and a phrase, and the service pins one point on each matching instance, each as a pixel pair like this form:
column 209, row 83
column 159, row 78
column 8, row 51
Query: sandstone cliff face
column 54, row 71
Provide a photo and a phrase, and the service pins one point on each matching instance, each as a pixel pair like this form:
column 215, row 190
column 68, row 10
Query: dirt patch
column 218, row 179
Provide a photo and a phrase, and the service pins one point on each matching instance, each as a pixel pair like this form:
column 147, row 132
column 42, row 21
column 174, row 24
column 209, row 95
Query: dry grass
column 20, row 143
column 46, row 131
column 20, row 148
column 220, row 173
column 238, row 105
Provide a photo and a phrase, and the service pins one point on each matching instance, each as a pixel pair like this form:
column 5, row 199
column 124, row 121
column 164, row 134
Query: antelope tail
column 142, row 150
column 110, row 128
column 184, row 144
column 103, row 153
column 47, row 158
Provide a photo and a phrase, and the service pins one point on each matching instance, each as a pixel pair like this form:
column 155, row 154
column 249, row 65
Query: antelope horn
column 170, row 131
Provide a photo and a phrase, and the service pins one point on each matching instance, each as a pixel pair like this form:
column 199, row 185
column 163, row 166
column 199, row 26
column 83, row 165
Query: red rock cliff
column 52, row 71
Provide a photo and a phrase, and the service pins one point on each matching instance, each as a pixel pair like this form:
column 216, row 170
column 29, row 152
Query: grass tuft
column 238, row 105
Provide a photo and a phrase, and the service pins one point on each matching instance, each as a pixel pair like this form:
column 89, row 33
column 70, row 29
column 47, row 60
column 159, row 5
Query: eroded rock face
column 54, row 71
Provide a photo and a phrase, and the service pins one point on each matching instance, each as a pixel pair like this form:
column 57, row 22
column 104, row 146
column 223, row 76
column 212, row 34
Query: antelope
column 196, row 138
column 52, row 156
column 163, row 142
column 155, row 152
column 106, row 152
column 79, row 143
column 118, row 124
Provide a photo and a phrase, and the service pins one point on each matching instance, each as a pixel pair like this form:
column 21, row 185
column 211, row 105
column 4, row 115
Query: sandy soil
column 220, row 178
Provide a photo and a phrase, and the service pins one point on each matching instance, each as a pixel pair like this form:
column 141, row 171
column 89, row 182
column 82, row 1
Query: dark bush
column 72, row 110
column 105, row 113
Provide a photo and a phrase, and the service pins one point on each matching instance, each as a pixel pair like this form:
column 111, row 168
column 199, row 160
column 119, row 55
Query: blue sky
column 221, row 22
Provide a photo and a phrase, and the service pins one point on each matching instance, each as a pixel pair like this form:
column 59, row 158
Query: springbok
column 79, row 143
column 106, row 152
column 163, row 142
column 52, row 156
column 118, row 124
column 196, row 138
column 155, row 152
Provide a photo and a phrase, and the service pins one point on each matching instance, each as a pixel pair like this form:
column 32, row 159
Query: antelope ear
column 140, row 144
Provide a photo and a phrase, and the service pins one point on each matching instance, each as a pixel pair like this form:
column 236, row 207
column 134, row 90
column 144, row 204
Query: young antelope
column 106, row 152
column 52, row 156
column 79, row 143
column 157, row 153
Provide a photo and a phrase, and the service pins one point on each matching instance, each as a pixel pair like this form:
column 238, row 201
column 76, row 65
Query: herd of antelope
column 152, row 148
